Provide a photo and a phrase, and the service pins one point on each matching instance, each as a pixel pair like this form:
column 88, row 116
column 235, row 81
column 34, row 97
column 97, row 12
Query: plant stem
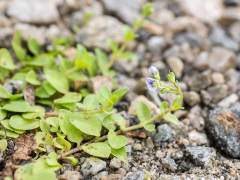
column 5, row 136
column 71, row 70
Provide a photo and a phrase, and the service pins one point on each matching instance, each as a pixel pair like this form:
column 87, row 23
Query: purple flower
column 152, row 84
column 153, row 70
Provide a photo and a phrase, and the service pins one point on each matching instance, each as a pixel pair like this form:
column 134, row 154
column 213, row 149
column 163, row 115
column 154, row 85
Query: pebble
column 197, row 137
column 223, row 127
column 205, row 97
column 201, row 156
column 228, row 101
column 114, row 177
column 73, row 175
column 164, row 133
column 115, row 163
column 115, row 5
column 121, row 171
column 185, row 142
column 101, row 175
column 200, row 81
column 191, row 98
column 218, row 78
column 66, row 167
column 169, row 163
column 92, row 166
column 95, row 83
column 195, row 117
column 129, row 150
column 98, row 30
column 149, row 143
column 13, row 87
column 156, row 44
column 202, row 62
column 191, row 38
column 133, row 106
column 35, row 11
column 221, row 59
column 139, row 175
column 218, row 92
column 176, row 65
column 137, row 147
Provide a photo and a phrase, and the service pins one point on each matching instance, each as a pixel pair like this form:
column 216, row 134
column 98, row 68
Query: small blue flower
column 152, row 84
column 153, row 70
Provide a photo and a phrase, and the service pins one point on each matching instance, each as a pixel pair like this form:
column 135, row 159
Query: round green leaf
column 120, row 153
column 72, row 97
column 143, row 112
column 57, row 80
column 31, row 78
column 17, row 106
column 116, row 141
column 4, row 92
column 90, row 102
column 111, row 121
column 3, row 145
column 18, row 122
column 87, row 123
column 6, row 60
column 98, row 149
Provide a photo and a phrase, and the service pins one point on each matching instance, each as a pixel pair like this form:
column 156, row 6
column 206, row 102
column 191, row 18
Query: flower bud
column 153, row 70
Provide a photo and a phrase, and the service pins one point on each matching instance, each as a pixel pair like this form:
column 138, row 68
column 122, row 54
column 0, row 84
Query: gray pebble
column 169, row 164
column 92, row 166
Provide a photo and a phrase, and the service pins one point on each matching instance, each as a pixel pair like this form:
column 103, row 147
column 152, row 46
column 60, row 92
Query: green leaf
column 42, row 60
column 71, row 97
column 87, row 123
column 104, row 96
column 128, row 55
column 4, row 92
column 119, row 93
column 6, row 60
column 33, row 46
column 149, row 127
column 143, row 112
column 3, row 145
column 10, row 134
column 171, row 118
column 128, row 33
column 120, row 153
column 83, row 58
column 116, row 141
column 5, row 123
column 147, row 9
column 98, row 149
column 90, row 102
column 3, row 114
column 171, row 77
column 18, row 49
column 71, row 160
column 62, row 144
column 114, row 46
column 176, row 103
column 3, row 73
column 52, row 160
column 113, row 120
column 57, row 80
column 18, row 122
column 44, row 126
column 93, row 69
column 163, row 106
column 73, row 133
column 45, row 91
column 39, row 112
column 32, row 79
column 16, row 106
column 44, row 139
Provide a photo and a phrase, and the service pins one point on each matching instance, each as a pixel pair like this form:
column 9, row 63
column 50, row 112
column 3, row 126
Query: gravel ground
column 199, row 40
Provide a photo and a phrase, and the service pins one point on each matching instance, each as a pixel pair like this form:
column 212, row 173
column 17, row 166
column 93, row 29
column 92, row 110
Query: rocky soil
column 199, row 40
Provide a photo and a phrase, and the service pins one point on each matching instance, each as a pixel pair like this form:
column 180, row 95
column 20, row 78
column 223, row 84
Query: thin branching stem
column 5, row 136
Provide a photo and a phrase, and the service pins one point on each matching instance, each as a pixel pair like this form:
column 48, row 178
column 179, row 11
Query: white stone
column 197, row 137
column 228, row 101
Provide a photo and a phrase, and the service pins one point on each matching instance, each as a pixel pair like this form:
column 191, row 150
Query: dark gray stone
column 218, row 92
column 191, row 38
column 223, row 126
column 164, row 133
column 201, row 156
column 200, row 81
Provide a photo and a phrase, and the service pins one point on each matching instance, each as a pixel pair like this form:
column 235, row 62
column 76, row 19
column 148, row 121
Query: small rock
column 191, row 38
column 169, row 164
column 35, row 11
column 13, row 87
column 221, row 60
column 176, row 65
column 202, row 61
column 202, row 156
column 195, row 117
column 208, row 11
column 164, row 133
column 137, row 147
column 95, row 83
column 230, row 15
column 115, row 5
column 126, row 66
column 97, row 30
column 129, row 150
column 121, row 171
column 200, row 81
column 218, row 92
column 73, row 175
column 115, row 163
column 101, row 175
column 66, row 167
column 234, row 31
column 223, row 127
column 114, row 177
column 231, row 2
column 197, row 137
column 159, row 154
column 206, row 97
column 217, row 78
column 191, row 98
column 156, row 44
column 149, row 143
column 178, row 155
column 185, row 142
column 232, row 80
column 139, row 175
column 92, row 166
column 133, row 106
column 228, row 101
